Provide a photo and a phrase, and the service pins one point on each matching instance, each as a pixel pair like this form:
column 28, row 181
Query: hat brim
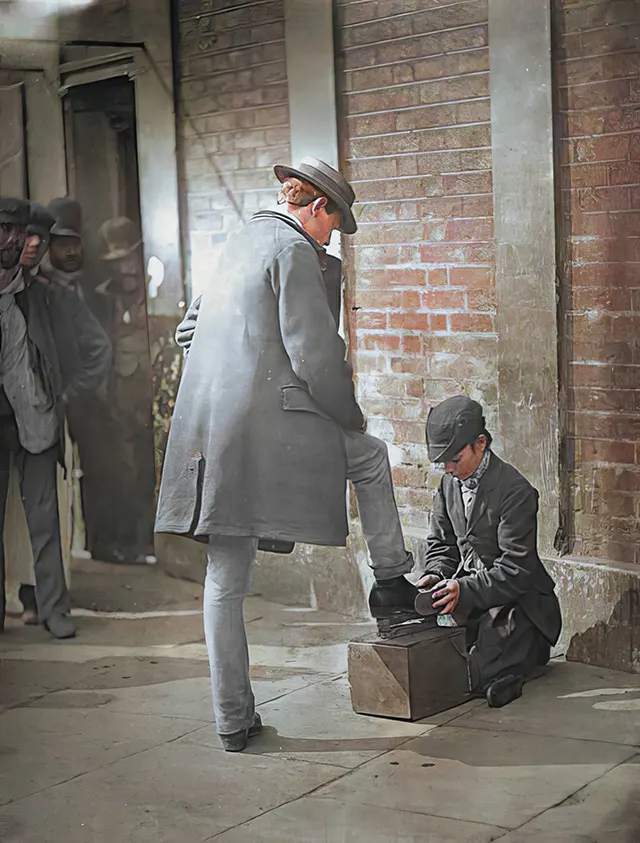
column 117, row 254
column 65, row 232
column 348, row 221
column 442, row 453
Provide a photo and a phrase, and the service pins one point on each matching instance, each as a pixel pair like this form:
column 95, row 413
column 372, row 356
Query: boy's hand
column 428, row 581
column 446, row 598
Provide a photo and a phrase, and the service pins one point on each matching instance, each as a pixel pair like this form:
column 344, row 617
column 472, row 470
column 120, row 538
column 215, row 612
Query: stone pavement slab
column 605, row 811
column 311, row 820
column 317, row 724
column 497, row 778
column 41, row 748
column 184, row 698
column 179, row 793
column 571, row 701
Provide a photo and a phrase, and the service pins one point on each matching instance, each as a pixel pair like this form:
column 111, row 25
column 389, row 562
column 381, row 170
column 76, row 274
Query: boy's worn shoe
column 502, row 691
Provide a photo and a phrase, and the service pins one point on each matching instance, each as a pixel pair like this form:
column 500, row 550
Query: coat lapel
column 456, row 508
column 482, row 496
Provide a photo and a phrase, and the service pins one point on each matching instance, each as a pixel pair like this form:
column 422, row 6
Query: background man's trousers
column 38, row 486
column 230, row 559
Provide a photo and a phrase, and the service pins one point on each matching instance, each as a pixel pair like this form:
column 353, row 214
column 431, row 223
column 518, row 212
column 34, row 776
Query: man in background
column 129, row 394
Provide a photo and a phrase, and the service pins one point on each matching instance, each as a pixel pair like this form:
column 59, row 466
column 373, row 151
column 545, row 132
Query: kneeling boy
column 483, row 566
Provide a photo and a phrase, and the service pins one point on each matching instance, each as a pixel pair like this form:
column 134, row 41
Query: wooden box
column 409, row 677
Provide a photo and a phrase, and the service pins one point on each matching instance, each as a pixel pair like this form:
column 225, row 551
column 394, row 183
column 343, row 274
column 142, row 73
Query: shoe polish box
column 411, row 676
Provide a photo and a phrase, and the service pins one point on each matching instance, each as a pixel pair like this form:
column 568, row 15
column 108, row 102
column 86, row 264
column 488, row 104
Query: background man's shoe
column 505, row 690
column 27, row 596
column 60, row 626
column 30, row 617
column 392, row 597
column 237, row 741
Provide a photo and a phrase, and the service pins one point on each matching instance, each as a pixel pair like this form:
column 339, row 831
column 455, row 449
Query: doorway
column 112, row 430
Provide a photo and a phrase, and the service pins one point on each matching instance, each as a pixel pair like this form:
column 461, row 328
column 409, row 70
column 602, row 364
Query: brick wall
column 597, row 64
column 234, row 116
column 415, row 142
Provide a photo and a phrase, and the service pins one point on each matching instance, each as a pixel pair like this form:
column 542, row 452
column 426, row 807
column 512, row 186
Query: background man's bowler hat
column 67, row 213
column 332, row 183
column 120, row 237
column 14, row 211
column 40, row 221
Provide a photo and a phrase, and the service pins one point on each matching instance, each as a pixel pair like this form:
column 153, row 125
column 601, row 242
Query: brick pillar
column 523, row 191
column 415, row 140
column 597, row 62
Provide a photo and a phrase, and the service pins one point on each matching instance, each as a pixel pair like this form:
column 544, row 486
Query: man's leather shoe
column 392, row 597
column 237, row 741
column 60, row 626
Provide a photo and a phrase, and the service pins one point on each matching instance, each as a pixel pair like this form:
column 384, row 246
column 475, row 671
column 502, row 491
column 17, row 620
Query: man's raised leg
column 369, row 470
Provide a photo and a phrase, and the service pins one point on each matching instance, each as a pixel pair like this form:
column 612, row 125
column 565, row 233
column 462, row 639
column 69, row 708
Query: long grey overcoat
column 256, row 445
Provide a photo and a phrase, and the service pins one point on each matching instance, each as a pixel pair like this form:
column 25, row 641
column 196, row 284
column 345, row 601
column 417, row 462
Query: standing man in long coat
column 266, row 428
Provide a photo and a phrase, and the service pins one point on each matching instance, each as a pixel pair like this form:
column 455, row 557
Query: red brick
column 366, row 362
column 457, row 253
column 438, row 321
column 606, row 249
column 604, row 400
column 597, row 199
column 466, row 183
column 392, row 233
column 443, row 300
column 606, row 225
column 471, row 277
column 407, row 365
column 598, row 450
column 379, row 342
column 380, row 300
column 412, row 345
column 612, row 426
column 482, row 300
column 476, row 322
column 605, row 298
column 448, row 207
column 409, row 321
column 368, row 320
column 608, row 148
column 437, row 277
column 610, row 40
column 628, row 481
column 386, row 278
column 596, row 94
column 409, row 431
column 626, row 377
column 589, row 175
column 592, row 16
column 414, row 387
column 605, row 274
column 596, row 68
column 478, row 229
column 623, row 173
column 429, row 140
column 413, row 477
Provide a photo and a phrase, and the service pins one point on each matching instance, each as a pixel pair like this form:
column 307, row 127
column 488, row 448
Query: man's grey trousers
column 38, row 487
column 230, row 560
